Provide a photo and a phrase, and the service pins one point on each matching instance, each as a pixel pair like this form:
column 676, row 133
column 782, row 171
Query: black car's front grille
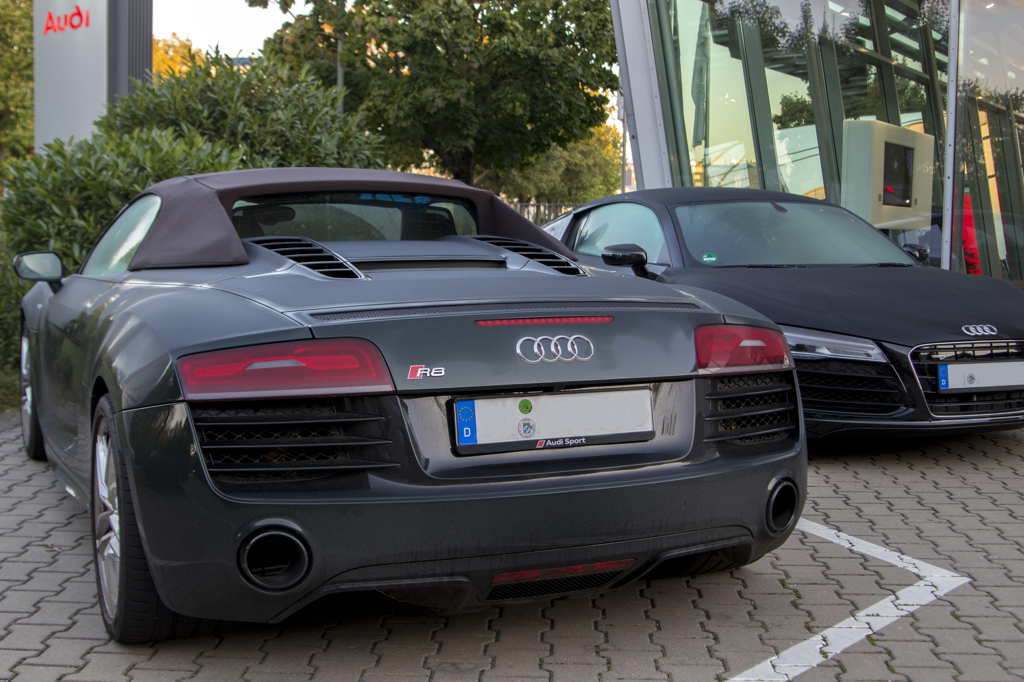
column 747, row 409
column 850, row 387
column 540, row 588
column 291, row 440
column 927, row 359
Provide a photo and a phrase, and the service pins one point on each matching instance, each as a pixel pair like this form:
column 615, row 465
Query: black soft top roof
column 194, row 228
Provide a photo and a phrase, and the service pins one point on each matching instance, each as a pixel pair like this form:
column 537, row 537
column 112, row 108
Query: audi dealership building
column 843, row 100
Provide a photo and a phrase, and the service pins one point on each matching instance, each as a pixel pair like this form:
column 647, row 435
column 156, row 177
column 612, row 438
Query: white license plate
column 543, row 421
column 981, row 375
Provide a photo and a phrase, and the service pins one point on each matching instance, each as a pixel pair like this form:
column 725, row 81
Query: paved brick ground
column 955, row 503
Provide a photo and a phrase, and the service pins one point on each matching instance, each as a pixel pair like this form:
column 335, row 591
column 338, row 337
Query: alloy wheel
column 26, row 393
column 106, row 520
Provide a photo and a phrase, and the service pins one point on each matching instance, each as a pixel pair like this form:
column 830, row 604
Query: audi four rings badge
column 979, row 329
column 554, row 349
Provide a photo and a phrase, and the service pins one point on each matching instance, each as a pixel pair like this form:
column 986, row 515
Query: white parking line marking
column 801, row 657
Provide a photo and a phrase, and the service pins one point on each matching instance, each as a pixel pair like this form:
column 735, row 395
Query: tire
column 31, row 432
column 131, row 608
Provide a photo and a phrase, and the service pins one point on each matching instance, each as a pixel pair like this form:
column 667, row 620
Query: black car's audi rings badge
column 554, row 349
column 979, row 329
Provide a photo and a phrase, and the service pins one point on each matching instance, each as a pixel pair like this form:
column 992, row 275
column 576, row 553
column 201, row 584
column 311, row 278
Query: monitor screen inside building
column 898, row 177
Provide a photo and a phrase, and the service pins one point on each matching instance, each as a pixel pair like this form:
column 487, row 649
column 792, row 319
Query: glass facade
column 845, row 100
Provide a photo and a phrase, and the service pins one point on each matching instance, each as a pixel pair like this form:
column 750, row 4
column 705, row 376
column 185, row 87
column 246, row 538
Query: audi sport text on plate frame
column 530, row 422
column 972, row 376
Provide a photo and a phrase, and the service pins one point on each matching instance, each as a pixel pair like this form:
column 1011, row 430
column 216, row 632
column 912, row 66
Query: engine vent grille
column 748, row 409
column 926, row 360
column 309, row 254
column 850, row 387
column 344, row 315
column 538, row 588
column 291, row 440
column 536, row 253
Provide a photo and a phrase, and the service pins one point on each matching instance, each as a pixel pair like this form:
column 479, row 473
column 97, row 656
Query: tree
column 581, row 172
column 16, row 79
column 173, row 55
column 321, row 35
column 795, row 111
column 275, row 115
column 487, row 85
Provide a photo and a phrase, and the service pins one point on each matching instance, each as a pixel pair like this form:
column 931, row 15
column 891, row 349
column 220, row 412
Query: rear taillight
column 295, row 368
column 734, row 349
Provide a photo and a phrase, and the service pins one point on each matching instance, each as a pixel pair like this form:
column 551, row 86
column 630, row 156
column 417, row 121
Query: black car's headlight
column 808, row 344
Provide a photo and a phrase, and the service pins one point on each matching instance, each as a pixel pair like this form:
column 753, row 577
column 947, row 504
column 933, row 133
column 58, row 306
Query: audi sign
column 979, row 329
column 550, row 349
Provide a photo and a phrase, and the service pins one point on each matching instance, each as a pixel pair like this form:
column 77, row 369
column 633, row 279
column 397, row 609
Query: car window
column 754, row 233
column 556, row 228
column 624, row 223
column 116, row 247
column 354, row 216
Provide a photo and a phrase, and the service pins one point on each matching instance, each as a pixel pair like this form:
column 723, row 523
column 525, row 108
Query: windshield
column 354, row 216
column 772, row 233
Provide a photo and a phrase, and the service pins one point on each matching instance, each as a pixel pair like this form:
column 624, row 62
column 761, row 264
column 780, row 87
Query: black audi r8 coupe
column 882, row 344
column 273, row 385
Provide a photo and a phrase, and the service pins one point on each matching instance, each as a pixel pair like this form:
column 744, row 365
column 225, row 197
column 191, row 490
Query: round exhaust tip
column 782, row 504
column 274, row 560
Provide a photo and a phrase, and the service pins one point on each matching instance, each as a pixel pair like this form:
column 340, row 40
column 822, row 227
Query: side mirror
column 622, row 255
column 39, row 266
column 918, row 252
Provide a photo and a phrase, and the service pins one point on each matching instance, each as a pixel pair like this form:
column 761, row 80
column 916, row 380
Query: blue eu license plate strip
column 465, row 421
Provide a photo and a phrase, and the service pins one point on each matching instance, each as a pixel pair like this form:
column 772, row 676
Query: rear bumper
column 441, row 544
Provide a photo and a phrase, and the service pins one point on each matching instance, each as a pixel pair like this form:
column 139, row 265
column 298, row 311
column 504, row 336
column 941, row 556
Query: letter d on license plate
column 553, row 421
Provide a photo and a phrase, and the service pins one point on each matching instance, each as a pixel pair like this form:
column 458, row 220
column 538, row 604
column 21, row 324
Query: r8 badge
column 420, row 371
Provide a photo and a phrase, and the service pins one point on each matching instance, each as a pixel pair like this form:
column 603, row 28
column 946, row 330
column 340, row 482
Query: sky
column 239, row 29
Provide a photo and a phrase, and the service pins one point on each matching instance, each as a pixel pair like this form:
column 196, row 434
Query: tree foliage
column 320, row 33
column 480, row 85
column 794, row 111
column 581, row 172
column 173, row 55
column 16, row 78
column 276, row 115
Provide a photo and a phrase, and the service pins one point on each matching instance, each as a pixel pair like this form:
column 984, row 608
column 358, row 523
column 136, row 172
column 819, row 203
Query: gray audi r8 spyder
column 882, row 344
column 273, row 385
